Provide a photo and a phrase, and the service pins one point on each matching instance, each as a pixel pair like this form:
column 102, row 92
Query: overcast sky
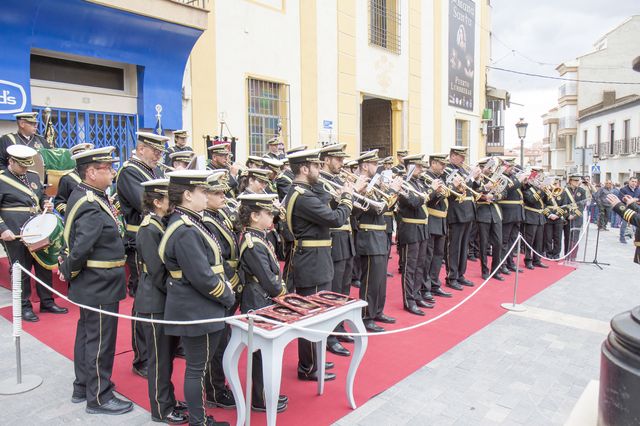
column 549, row 32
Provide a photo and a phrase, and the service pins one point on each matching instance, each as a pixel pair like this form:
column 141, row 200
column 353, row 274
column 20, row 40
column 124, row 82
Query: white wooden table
column 272, row 344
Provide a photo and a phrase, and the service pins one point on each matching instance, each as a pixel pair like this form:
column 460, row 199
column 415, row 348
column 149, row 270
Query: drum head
column 38, row 166
column 42, row 226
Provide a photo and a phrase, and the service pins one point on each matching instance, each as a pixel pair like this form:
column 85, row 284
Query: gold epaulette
column 299, row 190
column 91, row 196
column 146, row 220
column 187, row 221
column 249, row 240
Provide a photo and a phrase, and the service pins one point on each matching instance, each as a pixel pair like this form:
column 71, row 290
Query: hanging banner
column 462, row 20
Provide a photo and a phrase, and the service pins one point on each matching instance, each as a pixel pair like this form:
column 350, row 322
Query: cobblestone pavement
column 526, row 368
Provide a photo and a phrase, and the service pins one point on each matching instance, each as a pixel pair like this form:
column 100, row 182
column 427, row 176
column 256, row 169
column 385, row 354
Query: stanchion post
column 247, row 416
column 27, row 382
column 514, row 306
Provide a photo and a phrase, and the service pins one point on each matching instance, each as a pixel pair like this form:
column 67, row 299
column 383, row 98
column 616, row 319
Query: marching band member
column 309, row 219
column 285, row 178
column 180, row 145
column 253, row 181
column 460, row 216
column 93, row 265
column 372, row 247
column 574, row 198
column 512, row 214
column 386, row 175
column 553, row 227
column 437, row 208
column 150, row 302
column 489, row 217
column 413, row 235
column 274, row 147
column 534, row 200
column 21, row 197
column 628, row 209
column 274, row 167
column 197, row 287
column 262, row 279
column 69, row 181
column 217, row 392
column 180, row 160
column 26, row 134
column 142, row 167
column 220, row 159
column 343, row 250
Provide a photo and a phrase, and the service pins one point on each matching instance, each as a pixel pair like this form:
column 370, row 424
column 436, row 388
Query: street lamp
column 522, row 133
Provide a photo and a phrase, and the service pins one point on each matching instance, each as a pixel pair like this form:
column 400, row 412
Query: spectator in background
column 604, row 207
column 614, row 218
column 594, row 207
column 631, row 189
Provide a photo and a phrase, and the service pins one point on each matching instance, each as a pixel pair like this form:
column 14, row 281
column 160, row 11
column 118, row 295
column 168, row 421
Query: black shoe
column 514, row 269
column 283, row 399
column 181, row 406
column 385, row 319
column 389, row 274
column 356, row 283
column 327, row 366
column 428, row 297
column 505, row 271
column 540, row 265
column 77, row 399
column 175, row 417
column 623, row 240
column 53, row 309
column 440, row 293
column 210, row 421
column 465, row 281
column 142, row 372
column 485, row 276
column 372, row 326
column 223, row 399
column 131, row 293
column 345, row 339
column 262, row 409
column 180, row 352
column 413, row 309
column 498, row 277
column 114, row 407
column 454, row 285
column 424, row 304
column 313, row 377
column 338, row 349
column 29, row 315
column 528, row 265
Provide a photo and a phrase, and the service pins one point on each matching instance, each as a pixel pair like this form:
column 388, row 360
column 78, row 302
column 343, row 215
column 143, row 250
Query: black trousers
column 434, row 257
column 288, row 254
column 162, row 351
column 132, row 264
column 533, row 234
column 490, row 236
column 603, row 216
column 474, row 245
column 571, row 232
column 356, row 270
column 341, row 283
column 93, row 354
column 215, row 381
column 553, row 238
column 413, row 272
column 18, row 252
column 307, row 362
column 510, row 232
column 139, row 344
column 198, row 353
column 457, row 249
column 374, row 285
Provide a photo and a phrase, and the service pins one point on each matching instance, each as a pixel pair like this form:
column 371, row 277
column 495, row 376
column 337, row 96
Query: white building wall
column 427, row 79
column 327, row 24
column 261, row 42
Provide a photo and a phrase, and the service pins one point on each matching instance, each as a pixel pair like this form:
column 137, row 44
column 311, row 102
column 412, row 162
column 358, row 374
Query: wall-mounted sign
column 13, row 97
column 461, row 55
column 327, row 124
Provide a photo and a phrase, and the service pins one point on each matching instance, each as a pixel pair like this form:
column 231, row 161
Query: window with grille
column 268, row 111
column 462, row 133
column 384, row 24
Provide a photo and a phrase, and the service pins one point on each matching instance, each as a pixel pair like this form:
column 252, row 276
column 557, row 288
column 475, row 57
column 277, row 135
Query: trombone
column 360, row 201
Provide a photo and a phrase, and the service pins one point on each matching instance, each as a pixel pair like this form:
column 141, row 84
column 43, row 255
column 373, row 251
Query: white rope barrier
column 583, row 232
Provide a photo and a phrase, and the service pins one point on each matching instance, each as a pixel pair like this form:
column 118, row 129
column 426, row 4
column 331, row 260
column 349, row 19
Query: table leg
column 272, row 374
column 230, row 366
column 359, row 348
column 321, row 356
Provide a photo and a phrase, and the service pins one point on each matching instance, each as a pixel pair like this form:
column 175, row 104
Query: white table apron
column 272, row 344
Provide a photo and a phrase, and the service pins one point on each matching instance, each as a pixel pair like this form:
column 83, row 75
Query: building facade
column 385, row 74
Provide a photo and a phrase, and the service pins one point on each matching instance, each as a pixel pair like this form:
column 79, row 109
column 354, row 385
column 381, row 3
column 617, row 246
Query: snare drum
column 44, row 238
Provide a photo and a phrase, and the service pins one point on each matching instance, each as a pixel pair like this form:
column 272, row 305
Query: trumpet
column 552, row 193
column 448, row 191
column 463, row 184
column 360, row 201
column 352, row 177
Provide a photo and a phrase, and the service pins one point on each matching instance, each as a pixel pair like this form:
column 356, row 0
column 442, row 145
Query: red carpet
column 388, row 359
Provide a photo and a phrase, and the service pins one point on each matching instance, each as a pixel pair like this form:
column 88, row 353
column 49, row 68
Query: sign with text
column 13, row 98
column 461, row 54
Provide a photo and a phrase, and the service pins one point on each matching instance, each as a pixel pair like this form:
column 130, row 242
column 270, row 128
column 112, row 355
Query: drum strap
column 20, row 186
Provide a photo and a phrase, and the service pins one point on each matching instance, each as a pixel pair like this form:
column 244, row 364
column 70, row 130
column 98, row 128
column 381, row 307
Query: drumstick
column 44, row 211
column 28, row 235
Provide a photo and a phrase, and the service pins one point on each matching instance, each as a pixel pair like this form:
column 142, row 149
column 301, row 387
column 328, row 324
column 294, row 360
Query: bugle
column 450, row 179
column 448, row 191
column 360, row 201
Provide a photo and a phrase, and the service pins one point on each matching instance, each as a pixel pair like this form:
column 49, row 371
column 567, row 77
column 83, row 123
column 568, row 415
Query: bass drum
column 44, row 238
column 57, row 163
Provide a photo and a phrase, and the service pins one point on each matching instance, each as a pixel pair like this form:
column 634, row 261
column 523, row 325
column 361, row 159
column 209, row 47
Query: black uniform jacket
column 464, row 210
column 94, row 260
column 342, row 244
column 573, row 202
column 511, row 204
column 20, row 199
column 534, row 204
column 152, row 282
column 437, row 206
column 371, row 238
column 66, row 185
column 413, row 214
column 260, row 271
column 283, row 183
column 130, row 176
column 36, row 142
column 172, row 150
column 489, row 211
column 196, row 286
column 215, row 222
column 309, row 218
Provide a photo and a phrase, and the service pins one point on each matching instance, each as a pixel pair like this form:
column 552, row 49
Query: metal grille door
column 99, row 128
